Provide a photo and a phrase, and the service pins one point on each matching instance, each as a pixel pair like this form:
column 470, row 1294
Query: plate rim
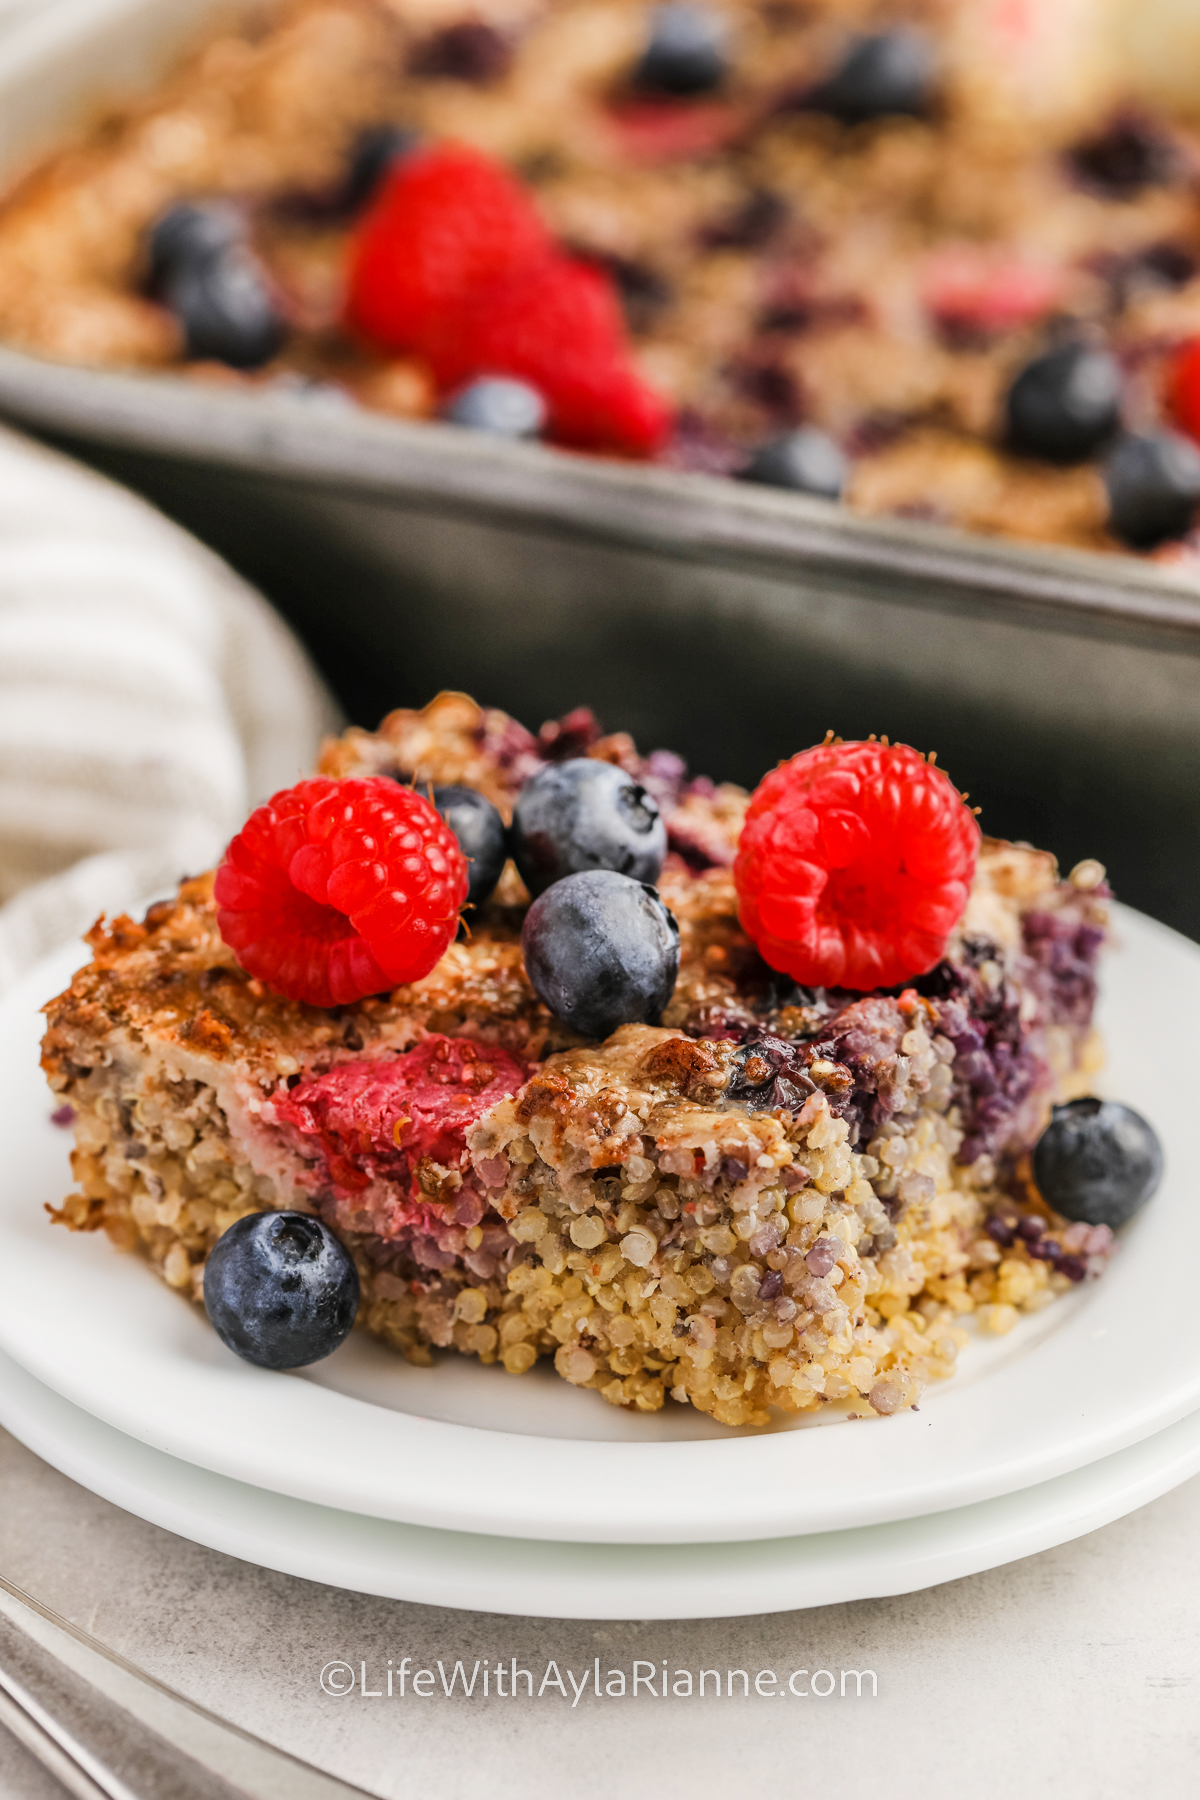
column 563, row 1486
column 565, row 1580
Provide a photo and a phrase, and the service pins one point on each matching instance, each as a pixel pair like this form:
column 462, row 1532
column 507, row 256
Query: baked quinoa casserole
column 778, row 1196
column 848, row 247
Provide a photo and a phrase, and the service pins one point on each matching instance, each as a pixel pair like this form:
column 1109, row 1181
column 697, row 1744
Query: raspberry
column 338, row 889
column 445, row 222
column 854, row 865
column 1183, row 387
column 556, row 324
column 380, row 1120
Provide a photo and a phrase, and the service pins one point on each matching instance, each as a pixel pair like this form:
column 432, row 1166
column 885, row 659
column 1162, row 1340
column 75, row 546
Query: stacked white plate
column 462, row 1486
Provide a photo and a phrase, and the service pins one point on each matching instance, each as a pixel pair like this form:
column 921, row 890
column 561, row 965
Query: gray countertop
column 1076, row 1672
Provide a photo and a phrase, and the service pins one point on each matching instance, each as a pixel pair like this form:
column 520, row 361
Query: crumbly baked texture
column 776, row 266
column 781, row 1197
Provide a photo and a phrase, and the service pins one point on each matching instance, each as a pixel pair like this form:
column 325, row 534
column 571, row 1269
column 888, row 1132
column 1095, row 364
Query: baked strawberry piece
column 761, row 1189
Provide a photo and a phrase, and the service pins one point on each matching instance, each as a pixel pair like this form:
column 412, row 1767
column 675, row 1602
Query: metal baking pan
column 733, row 623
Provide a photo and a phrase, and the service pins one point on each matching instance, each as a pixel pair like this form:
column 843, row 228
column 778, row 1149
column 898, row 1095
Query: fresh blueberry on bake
column 885, row 73
column 280, row 1289
column 1097, row 1162
column 500, row 405
column 191, row 232
column 372, row 155
column 1153, row 484
column 1065, row 404
column 225, row 308
column 686, row 52
column 601, row 950
column 481, row 835
column 807, row 461
column 586, row 814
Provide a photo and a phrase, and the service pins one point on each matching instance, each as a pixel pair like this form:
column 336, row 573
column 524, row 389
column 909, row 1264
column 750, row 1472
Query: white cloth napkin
column 148, row 700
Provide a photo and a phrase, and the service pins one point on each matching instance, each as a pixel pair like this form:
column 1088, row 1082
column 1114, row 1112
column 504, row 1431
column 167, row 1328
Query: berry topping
column 470, row 51
column 280, row 1289
column 557, row 325
column 601, row 950
column 338, row 889
column 1065, row 404
column 445, row 222
column 1097, row 1162
column 973, row 292
column 202, row 269
column 374, row 152
column 888, row 72
column 1130, row 154
column 1153, row 487
column 1183, row 387
column 586, row 814
column 381, row 1120
column 481, row 835
column 453, row 263
column 226, row 310
column 854, row 865
column 500, row 405
column 686, row 52
column 191, row 232
column 807, row 461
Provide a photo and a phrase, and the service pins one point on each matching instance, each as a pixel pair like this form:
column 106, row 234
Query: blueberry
column 586, row 814
column 191, row 232
column 481, row 836
column 807, row 461
column 686, row 53
column 1097, row 1162
column 497, row 404
column 373, row 153
column 1064, row 404
column 225, row 307
column 601, row 950
column 1153, row 487
column 280, row 1289
column 887, row 72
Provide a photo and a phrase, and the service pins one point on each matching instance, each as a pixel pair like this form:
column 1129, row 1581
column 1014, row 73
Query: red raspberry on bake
column 854, row 865
column 446, row 222
column 557, row 325
column 338, row 889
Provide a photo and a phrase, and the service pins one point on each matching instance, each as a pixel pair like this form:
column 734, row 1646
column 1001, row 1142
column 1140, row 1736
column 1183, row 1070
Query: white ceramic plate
column 474, row 1449
column 586, row 1581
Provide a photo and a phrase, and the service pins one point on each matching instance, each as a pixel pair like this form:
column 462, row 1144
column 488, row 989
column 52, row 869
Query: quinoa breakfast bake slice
column 776, row 1194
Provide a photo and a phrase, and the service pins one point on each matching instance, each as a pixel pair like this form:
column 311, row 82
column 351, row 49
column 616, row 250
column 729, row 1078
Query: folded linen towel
column 148, row 699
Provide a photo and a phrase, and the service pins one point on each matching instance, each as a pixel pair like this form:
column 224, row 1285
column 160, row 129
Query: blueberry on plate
column 481, row 835
column 226, row 309
column 686, row 52
column 191, row 232
column 601, row 950
column 498, row 404
column 280, row 1290
column 1064, row 404
column 586, row 814
column 888, row 72
column 1097, row 1162
column 1153, row 484
column 807, row 461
